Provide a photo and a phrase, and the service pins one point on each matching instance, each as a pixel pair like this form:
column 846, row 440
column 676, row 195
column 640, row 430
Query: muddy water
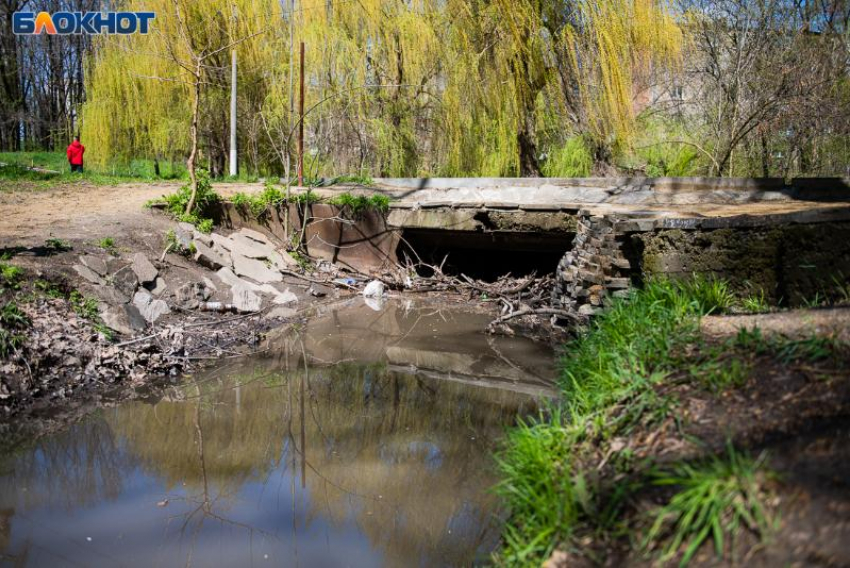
column 362, row 439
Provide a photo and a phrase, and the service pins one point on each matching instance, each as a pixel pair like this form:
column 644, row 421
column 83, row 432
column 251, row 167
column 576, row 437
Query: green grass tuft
column 13, row 320
column 357, row 204
column 715, row 500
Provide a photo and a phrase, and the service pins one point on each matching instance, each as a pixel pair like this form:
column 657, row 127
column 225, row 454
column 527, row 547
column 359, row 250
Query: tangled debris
column 63, row 349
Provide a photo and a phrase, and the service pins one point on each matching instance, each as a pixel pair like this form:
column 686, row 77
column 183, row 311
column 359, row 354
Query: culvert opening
column 484, row 256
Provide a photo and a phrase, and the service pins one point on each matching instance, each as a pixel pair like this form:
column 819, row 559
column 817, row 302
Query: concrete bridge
column 789, row 240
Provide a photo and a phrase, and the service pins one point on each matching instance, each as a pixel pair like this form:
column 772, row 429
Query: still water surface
column 364, row 439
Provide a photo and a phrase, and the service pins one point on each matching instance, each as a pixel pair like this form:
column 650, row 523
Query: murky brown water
column 363, row 440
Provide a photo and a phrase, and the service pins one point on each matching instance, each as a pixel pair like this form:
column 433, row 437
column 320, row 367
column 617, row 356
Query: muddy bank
column 81, row 316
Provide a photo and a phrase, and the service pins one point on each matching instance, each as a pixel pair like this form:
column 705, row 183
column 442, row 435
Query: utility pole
column 301, row 122
column 233, row 165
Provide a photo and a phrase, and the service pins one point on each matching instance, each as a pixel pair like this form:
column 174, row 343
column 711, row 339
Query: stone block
column 144, row 270
column 88, row 274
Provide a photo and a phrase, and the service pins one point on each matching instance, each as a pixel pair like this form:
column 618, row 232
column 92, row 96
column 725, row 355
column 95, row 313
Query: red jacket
column 75, row 153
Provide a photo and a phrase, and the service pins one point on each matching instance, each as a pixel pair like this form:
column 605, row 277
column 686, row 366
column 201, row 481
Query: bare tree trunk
column 190, row 163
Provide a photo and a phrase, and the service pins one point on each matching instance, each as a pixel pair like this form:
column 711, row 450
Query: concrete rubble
column 249, row 264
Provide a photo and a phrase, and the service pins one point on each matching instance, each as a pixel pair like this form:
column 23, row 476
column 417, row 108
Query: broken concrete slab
column 282, row 261
column 144, row 270
column 96, row 263
column 206, row 256
column 244, row 299
column 202, row 238
column 255, row 269
column 255, row 235
column 227, row 276
column 110, row 295
column 126, row 281
column 249, row 248
column 221, row 241
column 88, row 274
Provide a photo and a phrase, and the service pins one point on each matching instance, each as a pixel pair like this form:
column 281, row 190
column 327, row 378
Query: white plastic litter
column 374, row 289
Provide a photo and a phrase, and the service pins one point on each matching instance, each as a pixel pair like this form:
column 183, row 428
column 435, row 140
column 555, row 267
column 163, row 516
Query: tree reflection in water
column 394, row 463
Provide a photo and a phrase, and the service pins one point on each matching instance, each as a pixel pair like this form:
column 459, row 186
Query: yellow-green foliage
column 393, row 87
column 573, row 159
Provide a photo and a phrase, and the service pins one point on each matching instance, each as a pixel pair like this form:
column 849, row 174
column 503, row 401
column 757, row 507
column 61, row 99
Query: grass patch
column 205, row 198
column 107, row 244
column 57, row 245
column 787, row 350
column 714, row 500
column 610, row 377
column 358, row 204
column 10, row 276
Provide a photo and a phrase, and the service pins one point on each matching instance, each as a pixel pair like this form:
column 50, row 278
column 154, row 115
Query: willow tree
column 394, row 87
column 149, row 93
column 577, row 61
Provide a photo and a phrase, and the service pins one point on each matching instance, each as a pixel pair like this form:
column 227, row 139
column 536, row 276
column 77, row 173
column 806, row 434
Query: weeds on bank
column 358, row 204
column 57, row 245
column 13, row 321
column 787, row 350
column 714, row 499
column 107, row 244
column 205, row 198
column 10, row 277
column 610, row 378
column 87, row 308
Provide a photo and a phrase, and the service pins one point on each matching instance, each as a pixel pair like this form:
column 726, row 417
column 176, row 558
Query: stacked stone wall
column 594, row 269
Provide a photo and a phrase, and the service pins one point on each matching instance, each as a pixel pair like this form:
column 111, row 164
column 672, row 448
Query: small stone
column 586, row 310
column 617, row 283
column 124, row 318
column 144, row 270
column 281, row 313
column 154, row 310
column 157, row 287
column 142, row 299
column 126, row 281
column 245, row 300
column 88, row 274
column 96, row 263
column 278, row 297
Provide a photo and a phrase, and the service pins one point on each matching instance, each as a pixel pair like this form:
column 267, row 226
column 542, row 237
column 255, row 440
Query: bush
column 573, row 159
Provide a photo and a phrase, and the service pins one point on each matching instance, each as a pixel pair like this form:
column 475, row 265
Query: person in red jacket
column 75, row 155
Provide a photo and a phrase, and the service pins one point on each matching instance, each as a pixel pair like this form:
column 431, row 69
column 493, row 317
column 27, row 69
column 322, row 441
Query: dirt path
column 86, row 211
column 799, row 324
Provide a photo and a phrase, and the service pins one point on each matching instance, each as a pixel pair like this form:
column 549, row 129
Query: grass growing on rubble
column 616, row 364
